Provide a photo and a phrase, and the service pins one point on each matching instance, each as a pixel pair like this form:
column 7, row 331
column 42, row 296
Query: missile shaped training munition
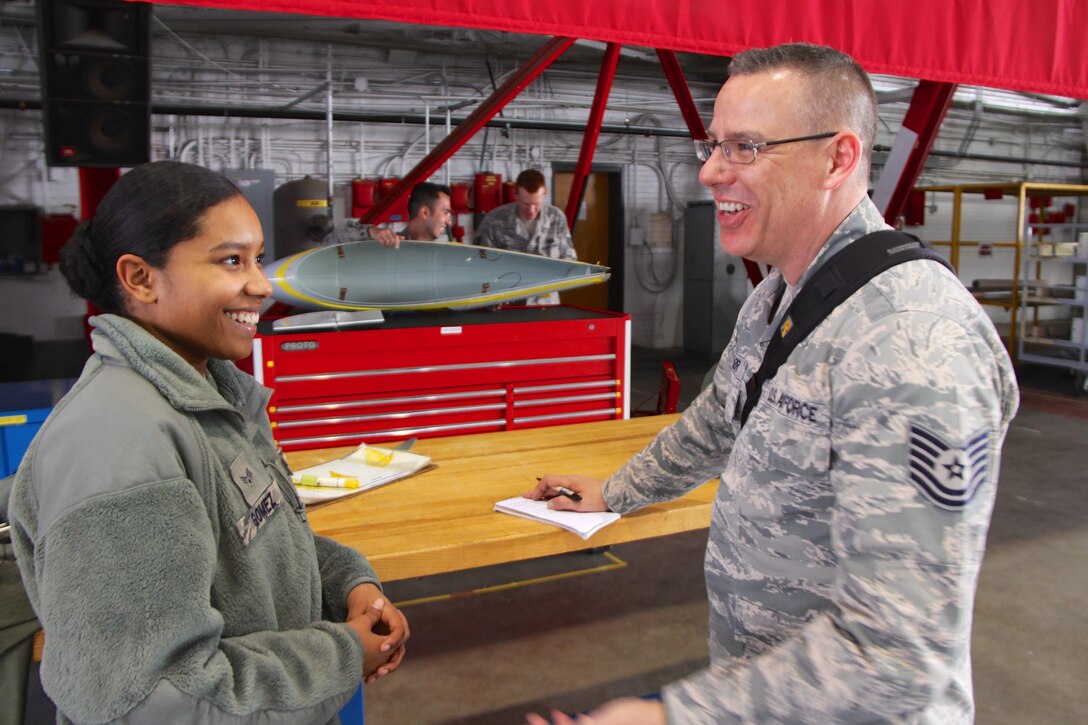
column 419, row 276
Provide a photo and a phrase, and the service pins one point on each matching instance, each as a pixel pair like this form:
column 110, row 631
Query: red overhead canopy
column 1027, row 45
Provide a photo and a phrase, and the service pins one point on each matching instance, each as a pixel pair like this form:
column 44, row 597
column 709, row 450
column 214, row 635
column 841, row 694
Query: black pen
column 572, row 495
column 564, row 491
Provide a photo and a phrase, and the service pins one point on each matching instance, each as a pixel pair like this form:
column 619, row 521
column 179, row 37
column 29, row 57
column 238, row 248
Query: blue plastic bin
column 17, row 429
column 352, row 713
column 23, row 407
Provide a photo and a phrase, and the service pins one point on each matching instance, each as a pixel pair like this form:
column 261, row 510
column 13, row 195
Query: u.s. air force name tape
column 269, row 503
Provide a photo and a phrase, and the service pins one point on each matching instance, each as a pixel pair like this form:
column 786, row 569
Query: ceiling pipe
column 995, row 159
column 522, row 123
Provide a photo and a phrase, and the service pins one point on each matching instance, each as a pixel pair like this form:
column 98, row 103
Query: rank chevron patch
column 946, row 474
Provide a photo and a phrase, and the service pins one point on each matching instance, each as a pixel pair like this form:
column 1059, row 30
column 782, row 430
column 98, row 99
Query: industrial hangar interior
column 322, row 112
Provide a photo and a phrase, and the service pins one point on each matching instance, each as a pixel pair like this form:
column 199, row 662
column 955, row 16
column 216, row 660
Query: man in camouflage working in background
column 529, row 224
column 849, row 527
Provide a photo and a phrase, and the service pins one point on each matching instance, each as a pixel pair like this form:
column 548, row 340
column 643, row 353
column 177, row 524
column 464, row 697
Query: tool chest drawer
column 445, row 374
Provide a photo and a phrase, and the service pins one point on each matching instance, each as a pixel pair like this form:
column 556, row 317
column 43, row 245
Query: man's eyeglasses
column 744, row 152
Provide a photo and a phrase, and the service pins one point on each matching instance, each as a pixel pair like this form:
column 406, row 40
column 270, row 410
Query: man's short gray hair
column 839, row 89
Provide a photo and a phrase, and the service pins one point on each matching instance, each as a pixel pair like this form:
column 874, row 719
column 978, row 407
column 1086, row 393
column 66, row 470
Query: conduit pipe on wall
column 329, row 169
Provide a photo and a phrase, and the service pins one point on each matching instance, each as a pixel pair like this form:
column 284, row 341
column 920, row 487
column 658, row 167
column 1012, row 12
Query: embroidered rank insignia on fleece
column 947, row 474
column 269, row 503
column 251, row 480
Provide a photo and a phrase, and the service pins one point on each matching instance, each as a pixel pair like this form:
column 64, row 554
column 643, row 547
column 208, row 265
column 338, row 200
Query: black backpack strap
column 843, row 275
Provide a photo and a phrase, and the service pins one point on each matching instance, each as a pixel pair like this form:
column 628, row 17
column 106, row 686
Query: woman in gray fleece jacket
column 155, row 524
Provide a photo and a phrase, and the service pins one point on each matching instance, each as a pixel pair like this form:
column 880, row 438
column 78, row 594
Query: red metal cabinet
column 441, row 374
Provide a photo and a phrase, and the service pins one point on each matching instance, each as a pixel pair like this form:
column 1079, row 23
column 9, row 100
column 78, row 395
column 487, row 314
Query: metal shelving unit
column 1055, row 270
column 1043, row 276
column 1005, row 297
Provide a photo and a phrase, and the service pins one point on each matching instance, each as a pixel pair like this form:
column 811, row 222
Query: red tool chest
column 433, row 374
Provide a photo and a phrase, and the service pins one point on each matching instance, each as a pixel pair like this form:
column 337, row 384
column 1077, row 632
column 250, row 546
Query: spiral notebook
column 583, row 523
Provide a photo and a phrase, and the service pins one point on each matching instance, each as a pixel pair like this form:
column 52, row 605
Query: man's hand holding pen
column 569, row 493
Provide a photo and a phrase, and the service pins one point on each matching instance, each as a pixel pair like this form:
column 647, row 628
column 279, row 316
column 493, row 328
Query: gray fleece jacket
column 167, row 556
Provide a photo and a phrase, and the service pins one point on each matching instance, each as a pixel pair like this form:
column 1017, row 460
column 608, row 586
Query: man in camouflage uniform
column 429, row 214
column 850, row 522
column 529, row 225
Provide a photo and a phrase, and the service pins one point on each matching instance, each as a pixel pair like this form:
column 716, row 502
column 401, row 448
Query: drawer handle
column 536, row 402
column 568, row 416
column 356, row 438
column 454, row 367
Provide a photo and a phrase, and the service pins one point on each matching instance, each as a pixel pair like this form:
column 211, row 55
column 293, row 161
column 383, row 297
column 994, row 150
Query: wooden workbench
column 442, row 520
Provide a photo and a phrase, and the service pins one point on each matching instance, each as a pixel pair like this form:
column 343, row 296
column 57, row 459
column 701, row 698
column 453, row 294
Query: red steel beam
column 593, row 131
column 928, row 107
column 457, row 138
column 680, row 90
column 679, row 85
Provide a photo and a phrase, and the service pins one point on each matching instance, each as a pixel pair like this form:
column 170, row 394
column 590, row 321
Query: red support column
column 93, row 185
column 593, row 131
column 525, row 75
column 927, row 110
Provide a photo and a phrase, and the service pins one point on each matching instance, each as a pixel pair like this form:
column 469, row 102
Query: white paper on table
column 582, row 523
column 354, row 465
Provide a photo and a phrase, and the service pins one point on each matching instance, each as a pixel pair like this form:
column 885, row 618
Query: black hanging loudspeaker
column 95, row 72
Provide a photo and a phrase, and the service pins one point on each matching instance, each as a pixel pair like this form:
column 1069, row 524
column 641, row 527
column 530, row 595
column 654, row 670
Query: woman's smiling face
column 205, row 301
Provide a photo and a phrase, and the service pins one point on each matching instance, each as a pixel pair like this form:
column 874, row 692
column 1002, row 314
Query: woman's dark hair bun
column 81, row 265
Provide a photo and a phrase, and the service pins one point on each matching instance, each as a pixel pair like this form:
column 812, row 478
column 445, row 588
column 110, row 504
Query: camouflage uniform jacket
column 850, row 521
column 502, row 228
